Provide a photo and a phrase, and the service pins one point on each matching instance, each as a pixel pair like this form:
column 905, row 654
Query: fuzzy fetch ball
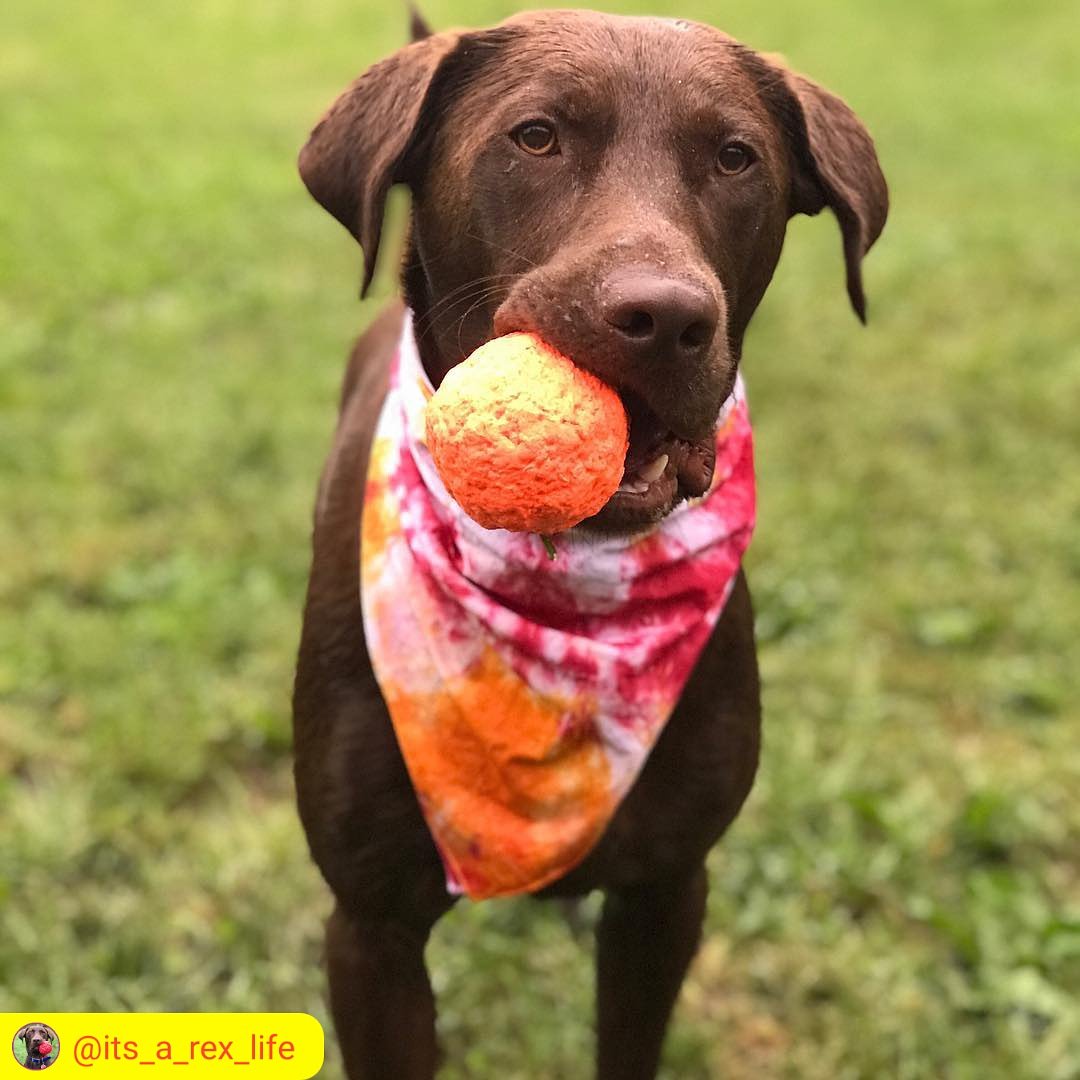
column 525, row 440
column 45, row 1049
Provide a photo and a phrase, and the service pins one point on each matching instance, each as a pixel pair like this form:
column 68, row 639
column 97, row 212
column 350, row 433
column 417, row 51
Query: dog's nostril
column 696, row 335
column 659, row 316
column 638, row 324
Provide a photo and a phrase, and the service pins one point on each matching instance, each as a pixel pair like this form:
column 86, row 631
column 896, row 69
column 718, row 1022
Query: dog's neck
column 416, row 289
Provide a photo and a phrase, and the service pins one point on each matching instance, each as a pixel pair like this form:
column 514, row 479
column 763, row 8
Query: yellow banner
column 287, row 1046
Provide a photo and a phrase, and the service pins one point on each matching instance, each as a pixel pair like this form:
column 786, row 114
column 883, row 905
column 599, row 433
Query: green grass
column 899, row 898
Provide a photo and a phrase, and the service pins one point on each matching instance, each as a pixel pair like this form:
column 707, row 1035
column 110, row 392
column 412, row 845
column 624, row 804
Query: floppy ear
column 835, row 166
column 355, row 152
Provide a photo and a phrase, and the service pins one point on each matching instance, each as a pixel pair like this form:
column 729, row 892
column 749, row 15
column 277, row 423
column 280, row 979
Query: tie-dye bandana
column 526, row 692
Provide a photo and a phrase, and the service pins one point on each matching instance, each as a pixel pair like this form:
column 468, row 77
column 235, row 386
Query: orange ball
column 525, row 440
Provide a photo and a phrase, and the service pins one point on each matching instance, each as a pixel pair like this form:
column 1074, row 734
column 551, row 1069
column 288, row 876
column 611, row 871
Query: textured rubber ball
column 524, row 439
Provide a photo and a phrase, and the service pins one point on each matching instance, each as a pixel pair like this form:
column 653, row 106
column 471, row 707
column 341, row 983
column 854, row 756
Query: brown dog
column 620, row 186
column 35, row 1037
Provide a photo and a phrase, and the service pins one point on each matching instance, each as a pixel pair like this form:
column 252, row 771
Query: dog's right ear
column 838, row 159
column 835, row 163
column 355, row 152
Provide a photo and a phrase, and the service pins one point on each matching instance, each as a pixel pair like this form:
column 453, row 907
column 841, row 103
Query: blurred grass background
column 900, row 896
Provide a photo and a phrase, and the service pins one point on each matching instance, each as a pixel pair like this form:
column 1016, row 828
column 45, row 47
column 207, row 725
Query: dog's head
column 620, row 186
column 33, row 1035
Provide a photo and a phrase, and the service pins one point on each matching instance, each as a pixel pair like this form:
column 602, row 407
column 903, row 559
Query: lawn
column 901, row 896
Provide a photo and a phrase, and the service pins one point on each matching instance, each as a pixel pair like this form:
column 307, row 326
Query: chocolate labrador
column 621, row 187
column 36, row 1037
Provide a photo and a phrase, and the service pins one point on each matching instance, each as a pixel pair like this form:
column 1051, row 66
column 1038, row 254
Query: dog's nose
column 657, row 317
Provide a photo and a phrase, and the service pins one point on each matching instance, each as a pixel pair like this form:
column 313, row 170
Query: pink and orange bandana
column 526, row 692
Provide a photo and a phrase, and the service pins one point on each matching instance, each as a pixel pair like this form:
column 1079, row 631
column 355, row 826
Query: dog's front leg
column 645, row 941
column 381, row 999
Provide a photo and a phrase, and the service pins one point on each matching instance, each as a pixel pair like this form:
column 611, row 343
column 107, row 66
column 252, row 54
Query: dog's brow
column 568, row 95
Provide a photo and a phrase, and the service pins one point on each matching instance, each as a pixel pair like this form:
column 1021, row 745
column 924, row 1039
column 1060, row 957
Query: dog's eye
column 536, row 138
column 734, row 157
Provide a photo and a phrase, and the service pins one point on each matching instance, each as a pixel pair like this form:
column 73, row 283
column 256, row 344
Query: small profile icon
column 36, row 1046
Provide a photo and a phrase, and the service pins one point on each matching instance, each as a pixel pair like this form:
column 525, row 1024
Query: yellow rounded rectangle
column 287, row 1046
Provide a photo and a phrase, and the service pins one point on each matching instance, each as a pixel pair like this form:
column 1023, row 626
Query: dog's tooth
column 654, row 469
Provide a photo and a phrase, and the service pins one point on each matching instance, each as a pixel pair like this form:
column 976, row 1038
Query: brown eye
column 536, row 138
column 733, row 158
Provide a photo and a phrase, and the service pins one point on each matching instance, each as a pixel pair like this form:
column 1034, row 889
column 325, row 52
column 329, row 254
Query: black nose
column 657, row 317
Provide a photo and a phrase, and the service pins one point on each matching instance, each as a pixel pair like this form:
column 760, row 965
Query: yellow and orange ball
column 525, row 440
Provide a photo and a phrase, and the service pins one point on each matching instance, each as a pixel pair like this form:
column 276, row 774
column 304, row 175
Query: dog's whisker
column 447, row 314
column 461, row 296
column 465, row 287
column 499, row 247
column 477, row 301
column 480, row 293
column 455, row 296
column 461, row 322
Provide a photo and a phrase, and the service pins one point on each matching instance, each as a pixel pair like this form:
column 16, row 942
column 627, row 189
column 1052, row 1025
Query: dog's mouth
column 663, row 466
column 660, row 470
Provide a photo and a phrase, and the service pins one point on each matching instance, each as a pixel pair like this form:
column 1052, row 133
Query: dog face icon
column 36, row 1046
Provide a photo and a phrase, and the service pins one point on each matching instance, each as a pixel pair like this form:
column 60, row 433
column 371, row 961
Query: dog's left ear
column 835, row 165
column 355, row 152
